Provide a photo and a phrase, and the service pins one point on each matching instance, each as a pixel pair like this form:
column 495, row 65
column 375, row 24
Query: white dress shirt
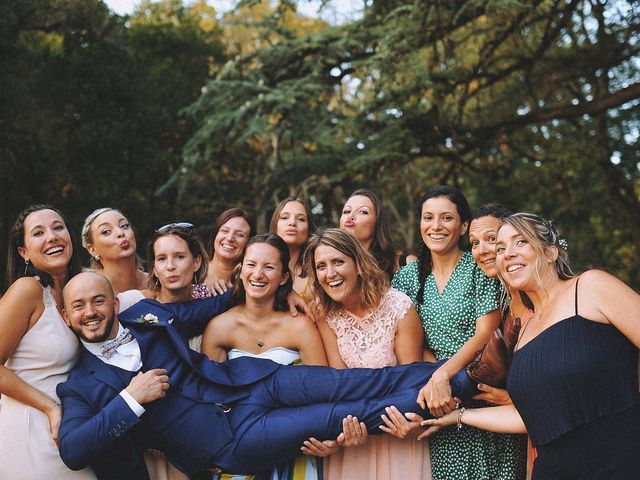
column 127, row 357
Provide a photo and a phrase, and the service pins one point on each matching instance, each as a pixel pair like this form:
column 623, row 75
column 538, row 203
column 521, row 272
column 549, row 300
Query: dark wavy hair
column 223, row 218
column 424, row 256
column 15, row 262
column 311, row 226
column 492, row 209
column 239, row 295
column 382, row 247
column 188, row 234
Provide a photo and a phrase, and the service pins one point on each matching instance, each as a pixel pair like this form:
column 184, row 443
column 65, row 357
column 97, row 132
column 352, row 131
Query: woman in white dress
column 37, row 350
column 260, row 325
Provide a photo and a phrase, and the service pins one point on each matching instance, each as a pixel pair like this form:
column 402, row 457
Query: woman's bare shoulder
column 24, row 289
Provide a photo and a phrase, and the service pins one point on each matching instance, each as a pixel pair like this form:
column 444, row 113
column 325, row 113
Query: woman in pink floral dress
column 365, row 323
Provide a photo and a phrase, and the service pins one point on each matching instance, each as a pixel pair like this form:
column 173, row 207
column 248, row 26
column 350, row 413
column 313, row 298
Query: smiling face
column 47, row 243
column 440, row 225
column 90, row 307
column 173, row 263
column 292, row 224
column 111, row 237
column 337, row 274
column 359, row 219
column 517, row 261
column 231, row 239
column 482, row 236
column 262, row 271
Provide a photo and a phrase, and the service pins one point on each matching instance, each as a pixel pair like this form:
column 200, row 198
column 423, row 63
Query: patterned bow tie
column 110, row 347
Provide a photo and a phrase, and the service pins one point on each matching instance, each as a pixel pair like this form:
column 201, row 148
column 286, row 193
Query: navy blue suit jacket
column 98, row 427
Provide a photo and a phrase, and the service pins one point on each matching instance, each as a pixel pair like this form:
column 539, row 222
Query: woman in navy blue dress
column 573, row 379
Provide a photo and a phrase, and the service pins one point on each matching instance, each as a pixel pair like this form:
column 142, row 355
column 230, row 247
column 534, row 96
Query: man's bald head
column 87, row 279
column 90, row 307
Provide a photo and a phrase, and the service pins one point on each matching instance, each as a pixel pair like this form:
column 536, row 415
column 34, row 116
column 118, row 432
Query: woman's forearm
column 501, row 419
column 13, row 386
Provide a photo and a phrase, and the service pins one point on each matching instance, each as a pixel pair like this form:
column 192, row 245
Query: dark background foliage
column 178, row 112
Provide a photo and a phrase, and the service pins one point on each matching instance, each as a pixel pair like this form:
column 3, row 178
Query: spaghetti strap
column 577, row 280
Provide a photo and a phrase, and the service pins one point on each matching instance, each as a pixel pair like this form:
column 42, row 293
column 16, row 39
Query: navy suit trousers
column 298, row 402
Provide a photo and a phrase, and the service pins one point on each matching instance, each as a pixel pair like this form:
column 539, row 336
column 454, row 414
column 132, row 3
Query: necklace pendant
column 260, row 342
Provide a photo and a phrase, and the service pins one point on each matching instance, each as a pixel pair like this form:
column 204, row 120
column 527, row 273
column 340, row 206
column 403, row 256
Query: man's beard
column 98, row 337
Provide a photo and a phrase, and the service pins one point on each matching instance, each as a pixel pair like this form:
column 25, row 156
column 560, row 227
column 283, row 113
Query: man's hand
column 149, row 386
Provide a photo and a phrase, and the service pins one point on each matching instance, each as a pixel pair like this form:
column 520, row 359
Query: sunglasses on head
column 171, row 226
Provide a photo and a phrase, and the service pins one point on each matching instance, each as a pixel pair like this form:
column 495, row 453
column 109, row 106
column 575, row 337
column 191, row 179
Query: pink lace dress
column 369, row 342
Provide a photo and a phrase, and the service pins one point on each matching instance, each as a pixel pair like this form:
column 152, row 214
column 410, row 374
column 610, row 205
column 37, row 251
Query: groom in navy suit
column 137, row 385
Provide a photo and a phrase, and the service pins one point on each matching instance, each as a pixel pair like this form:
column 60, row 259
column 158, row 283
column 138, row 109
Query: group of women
column 571, row 341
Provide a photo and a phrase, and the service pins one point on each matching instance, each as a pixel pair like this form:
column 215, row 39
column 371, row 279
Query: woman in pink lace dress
column 365, row 323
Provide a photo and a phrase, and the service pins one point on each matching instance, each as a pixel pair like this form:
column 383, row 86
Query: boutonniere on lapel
column 148, row 319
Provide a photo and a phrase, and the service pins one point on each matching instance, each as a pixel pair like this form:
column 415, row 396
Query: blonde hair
column 87, row 239
column 542, row 235
column 372, row 281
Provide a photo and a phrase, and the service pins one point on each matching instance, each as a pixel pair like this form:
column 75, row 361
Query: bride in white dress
column 260, row 325
column 37, row 349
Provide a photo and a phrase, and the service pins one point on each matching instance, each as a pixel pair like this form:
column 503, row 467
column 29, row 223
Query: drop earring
column 26, row 265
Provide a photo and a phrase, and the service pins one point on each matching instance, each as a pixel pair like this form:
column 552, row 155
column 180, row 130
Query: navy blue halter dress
column 575, row 386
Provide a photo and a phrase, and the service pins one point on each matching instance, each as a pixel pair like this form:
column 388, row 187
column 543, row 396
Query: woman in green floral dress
column 458, row 306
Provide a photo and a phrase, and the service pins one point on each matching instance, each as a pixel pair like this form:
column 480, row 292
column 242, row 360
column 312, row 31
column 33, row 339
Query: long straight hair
column 311, row 227
column 382, row 247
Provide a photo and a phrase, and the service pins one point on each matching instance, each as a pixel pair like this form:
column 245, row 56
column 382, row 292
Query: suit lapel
column 178, row 342
column 100, row 370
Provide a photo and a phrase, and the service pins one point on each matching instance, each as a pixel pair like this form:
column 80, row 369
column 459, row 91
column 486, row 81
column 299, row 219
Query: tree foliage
column 177, row 112
column 531, row 103
column 91, row 103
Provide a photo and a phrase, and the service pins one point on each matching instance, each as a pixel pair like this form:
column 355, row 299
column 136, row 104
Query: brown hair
column 281, row 304
column 382, row 247
column 223, row 218
column 373, row 282
column 188, row 234
column 311, row 227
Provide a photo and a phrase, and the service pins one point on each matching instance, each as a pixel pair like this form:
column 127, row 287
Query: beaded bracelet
column 460, row 413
